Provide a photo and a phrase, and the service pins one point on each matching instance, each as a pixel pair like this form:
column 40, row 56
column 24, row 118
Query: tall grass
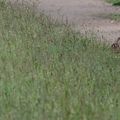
column 48, row 72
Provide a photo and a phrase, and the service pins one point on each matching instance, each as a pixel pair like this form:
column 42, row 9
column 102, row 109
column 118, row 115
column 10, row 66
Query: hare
column 116, row 45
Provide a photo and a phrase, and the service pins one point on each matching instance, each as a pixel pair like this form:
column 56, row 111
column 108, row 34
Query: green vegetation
column 115, row 17
column 114, row 2
column 48, row 72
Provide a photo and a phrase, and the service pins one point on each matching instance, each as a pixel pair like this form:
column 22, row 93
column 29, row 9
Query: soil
column 86, row 16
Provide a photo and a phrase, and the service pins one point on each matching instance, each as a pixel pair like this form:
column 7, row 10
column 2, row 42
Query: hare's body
column 116, row 45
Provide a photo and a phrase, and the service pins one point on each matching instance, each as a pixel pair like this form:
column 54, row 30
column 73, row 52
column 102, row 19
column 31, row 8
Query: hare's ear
column 118, row 39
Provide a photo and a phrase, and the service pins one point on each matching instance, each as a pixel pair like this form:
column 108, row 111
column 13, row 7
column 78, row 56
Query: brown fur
column 116, row 45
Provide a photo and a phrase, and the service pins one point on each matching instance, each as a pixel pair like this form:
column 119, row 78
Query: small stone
column 112, row 21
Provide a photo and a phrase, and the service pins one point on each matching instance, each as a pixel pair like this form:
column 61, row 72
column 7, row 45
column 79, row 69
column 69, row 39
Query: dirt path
column 86, row 15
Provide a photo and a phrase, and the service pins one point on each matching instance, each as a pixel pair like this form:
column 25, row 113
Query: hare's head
column 116, row 45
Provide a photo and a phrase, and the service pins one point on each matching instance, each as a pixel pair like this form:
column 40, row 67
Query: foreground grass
column 47, row 72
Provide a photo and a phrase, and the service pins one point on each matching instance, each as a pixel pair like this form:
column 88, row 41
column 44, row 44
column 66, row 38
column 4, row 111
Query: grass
column 115, row 17
column 48, row 72
column 114, row 2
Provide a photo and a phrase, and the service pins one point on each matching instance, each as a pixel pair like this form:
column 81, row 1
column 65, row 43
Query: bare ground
column 87, row 16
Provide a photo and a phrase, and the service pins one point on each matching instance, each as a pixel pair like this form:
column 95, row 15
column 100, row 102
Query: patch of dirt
column 85, row 15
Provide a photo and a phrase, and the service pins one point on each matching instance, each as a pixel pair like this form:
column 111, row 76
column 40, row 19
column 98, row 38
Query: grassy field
column 48, row 72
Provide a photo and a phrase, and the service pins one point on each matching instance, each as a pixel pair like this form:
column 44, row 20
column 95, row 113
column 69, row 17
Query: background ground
column 91, row 16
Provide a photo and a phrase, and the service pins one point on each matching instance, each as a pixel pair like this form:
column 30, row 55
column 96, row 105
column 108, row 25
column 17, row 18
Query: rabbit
column 116, row 45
